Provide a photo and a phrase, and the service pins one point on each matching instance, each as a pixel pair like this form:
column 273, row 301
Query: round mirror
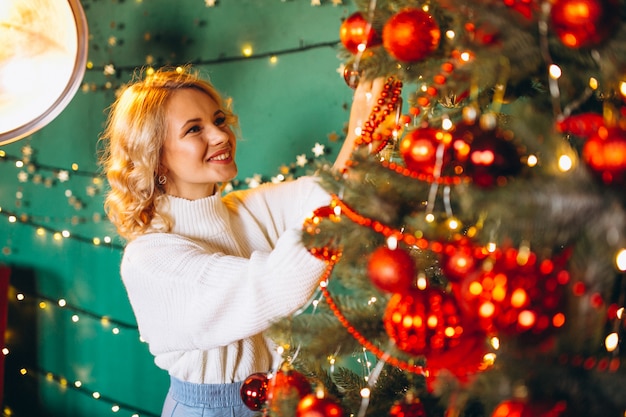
column 42, row 62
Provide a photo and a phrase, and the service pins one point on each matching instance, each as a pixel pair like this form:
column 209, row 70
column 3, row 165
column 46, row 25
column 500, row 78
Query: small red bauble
column 605, row 154
column 411, row 35
column 412, row 407
column 313, row 405
column 391, row 270
column 287, row 383
column 584, row 23
column 254, row 391
column 420, row 149
column 355, row 31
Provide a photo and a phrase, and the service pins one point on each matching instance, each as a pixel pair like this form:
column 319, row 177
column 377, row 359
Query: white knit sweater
column 203, row 294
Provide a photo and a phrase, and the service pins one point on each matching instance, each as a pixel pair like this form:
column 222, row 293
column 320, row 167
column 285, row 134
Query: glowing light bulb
column 555, row 71
column 611, row 342
column 620, row 260
column 565, row 163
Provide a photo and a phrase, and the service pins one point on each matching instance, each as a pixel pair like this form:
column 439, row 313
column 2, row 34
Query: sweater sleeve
column 188, row 295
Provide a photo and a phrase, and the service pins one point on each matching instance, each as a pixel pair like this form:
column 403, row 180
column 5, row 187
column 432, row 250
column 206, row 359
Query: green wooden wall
column 290, row 95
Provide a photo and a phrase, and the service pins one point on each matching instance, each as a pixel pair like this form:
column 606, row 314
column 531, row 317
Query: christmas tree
column 476, row 243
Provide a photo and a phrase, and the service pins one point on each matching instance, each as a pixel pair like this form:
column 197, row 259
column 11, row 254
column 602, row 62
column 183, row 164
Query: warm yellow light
column 246, row 50
column 495, row 342
column 526, row 318
column 450, row 34
column 622, row 88
column 42, row 305
column 430, row 218
column 611, row 342
column 422, row 282
column 565, row 163
column 531, row 161
column 620, row 260
column 273, row 59
column 555, row 71
column 593, row 83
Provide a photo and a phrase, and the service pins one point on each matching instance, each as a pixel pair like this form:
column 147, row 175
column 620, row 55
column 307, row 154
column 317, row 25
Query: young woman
column 206, row 273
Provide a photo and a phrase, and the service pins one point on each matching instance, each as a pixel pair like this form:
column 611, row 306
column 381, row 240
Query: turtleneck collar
column 198, row 219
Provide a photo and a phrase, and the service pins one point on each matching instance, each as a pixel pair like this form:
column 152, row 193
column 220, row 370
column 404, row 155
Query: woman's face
column 199, row 147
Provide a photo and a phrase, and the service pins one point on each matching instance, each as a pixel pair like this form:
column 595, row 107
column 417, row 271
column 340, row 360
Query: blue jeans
column 186, row 399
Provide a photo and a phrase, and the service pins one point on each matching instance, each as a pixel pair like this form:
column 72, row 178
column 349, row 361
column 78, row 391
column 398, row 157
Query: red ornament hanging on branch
column 286, row 384
column 605, row 154
column 254, row 391
column 411, row 35
column 511, row 291
column 584, row 23
column 316, row 405
column 429, row 323
column 410, row 406
column 391, row 270
column 357, row 33
column 489, row 157
column 426, row 150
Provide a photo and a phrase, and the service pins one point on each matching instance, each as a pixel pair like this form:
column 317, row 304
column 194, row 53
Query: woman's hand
column 365, row 97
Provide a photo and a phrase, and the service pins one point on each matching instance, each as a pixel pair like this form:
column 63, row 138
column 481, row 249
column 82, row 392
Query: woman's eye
column 220, row 121
column 194, row 129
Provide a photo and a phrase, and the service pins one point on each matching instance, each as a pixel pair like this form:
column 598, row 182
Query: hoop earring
column 162, row 179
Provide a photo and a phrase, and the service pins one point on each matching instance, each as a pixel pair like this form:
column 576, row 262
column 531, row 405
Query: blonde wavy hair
column 133, row 141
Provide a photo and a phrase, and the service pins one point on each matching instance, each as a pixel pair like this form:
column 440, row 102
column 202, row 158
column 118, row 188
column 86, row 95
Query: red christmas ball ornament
column 411, row 35
column 254, row 391
column 490, row 158
column 409, row 407
column 582, row 125
column 584, row 23
column 314, row 405
column 460, row 259
column 429, row 323
column 605, row 154
column 356, row 32
column 521, row 408
column 311, row 226
column 425, row 149
column 287, row 383
column 515, row 293
column 391, row 270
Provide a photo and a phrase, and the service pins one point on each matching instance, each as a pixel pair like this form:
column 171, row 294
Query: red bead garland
column 385, row 105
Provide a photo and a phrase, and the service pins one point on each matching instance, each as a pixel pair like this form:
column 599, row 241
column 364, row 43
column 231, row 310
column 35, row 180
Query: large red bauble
column 314, row 406
column 254, row 391
column 429, row 323
column 605, row 154
column 356, row 30
column 491, row 158
column 411, row 35
column 420, row 149
column 584, row 23
column 391, row 270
